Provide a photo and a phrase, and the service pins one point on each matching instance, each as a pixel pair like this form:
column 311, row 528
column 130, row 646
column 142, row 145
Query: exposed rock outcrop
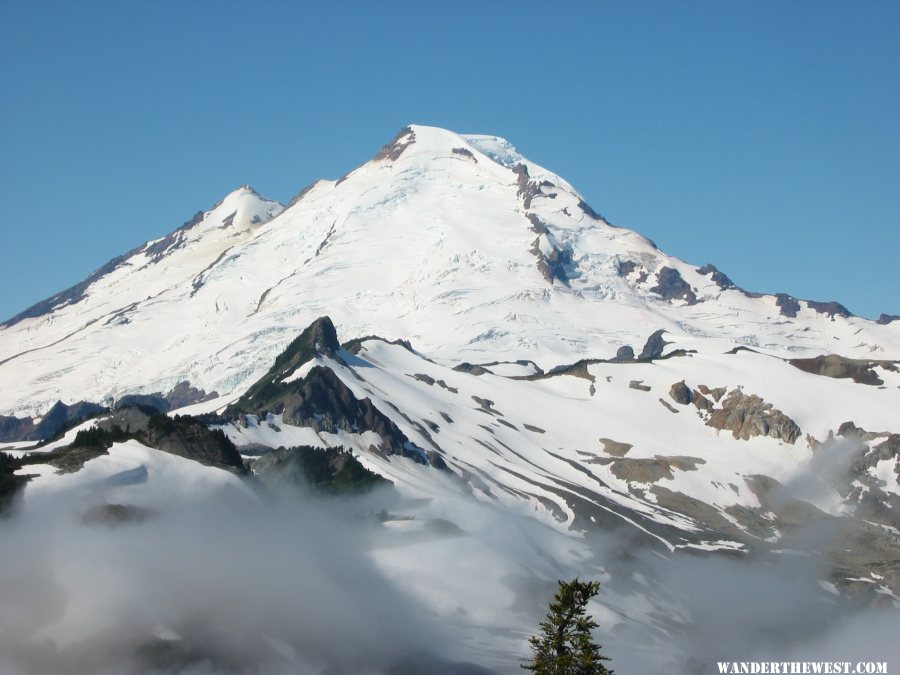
column 324, row 403
column 832, row 365
column 319, row 338
column 671, row 286
column 701, row 402
column 747, row 415
column 553, row 261
column 624, row 353
column 59, row 418
column 183, row 436
column 832, row 308
column 787, row 305
column 392, row 151
column 528, row 189
column 850, row 430
column 552, row 265
column 615, row 448
column 716, row 393
column 464, row 152
column 718, row 277
column 681, row 393
column 321, row 401
column 668, row 406
column 184, row 394
column 354, row 345
column 875, row 494
column 650, row 469
column 588, row 211
column 654, row 346
column 471, row 369
column 156, row 401
column 191, row 439
column 625, row 267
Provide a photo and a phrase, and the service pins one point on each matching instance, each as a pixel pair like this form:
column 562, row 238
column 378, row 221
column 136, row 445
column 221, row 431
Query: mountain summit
column 523, row 391
column 456, row 242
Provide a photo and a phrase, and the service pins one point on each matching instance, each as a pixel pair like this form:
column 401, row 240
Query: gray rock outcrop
column 654, row 346
column 717, row 276
column 832, row 365
column 747, row 415
column 59, row 417
column 625, row 353
column 681, row 393
column 787, row 305
column 671, row 286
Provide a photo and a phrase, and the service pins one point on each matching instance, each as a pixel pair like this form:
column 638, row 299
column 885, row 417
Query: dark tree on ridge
column 565, row 645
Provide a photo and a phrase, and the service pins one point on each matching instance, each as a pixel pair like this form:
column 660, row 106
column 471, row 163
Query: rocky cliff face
column 747, row 415
column 182, row 436
column 862, row 371
column 58, row 418
column 319, row 400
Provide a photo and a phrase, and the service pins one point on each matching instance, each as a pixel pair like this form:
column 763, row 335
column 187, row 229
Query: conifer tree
column 565, row 645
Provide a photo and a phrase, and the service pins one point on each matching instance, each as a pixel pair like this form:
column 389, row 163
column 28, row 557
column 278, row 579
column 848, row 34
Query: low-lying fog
column 275, row 580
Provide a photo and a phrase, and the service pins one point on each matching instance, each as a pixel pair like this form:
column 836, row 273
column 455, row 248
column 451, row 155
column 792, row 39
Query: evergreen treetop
column 565, row 645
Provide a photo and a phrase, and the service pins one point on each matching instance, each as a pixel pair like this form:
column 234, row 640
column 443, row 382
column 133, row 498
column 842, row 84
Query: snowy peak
column 422, row 144
column 242, row 208
column 457, row 243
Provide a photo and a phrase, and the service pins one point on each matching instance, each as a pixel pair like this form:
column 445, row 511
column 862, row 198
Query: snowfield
column 563, row 398
column 442, row 245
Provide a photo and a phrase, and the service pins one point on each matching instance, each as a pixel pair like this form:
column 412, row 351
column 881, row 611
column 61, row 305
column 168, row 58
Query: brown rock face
column 680, row 393
column 747, row 415
column 649, row 470
column 832, row 365
column 395, row 148
column 615, row 448
column 702, row 402
column 321, row 401
column 671, row 286
column 183, row 436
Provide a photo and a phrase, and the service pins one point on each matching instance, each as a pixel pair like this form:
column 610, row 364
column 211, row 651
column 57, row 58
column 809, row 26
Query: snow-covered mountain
column 463, row 323
column 456, row 243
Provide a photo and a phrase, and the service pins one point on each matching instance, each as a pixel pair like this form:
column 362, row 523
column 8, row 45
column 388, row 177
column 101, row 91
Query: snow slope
column 516, row 474
column 544, row 442
column 457, row 243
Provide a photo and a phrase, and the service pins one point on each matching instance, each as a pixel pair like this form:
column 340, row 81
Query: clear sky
column 763, row 137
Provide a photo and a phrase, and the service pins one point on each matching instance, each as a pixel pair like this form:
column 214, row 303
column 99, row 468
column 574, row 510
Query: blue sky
column 763, row 137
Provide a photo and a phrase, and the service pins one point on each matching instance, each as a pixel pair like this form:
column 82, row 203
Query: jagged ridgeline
column 328, row 471
column 270, row 391
column 567, row 375
column 320, row 400
column 183, row 436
